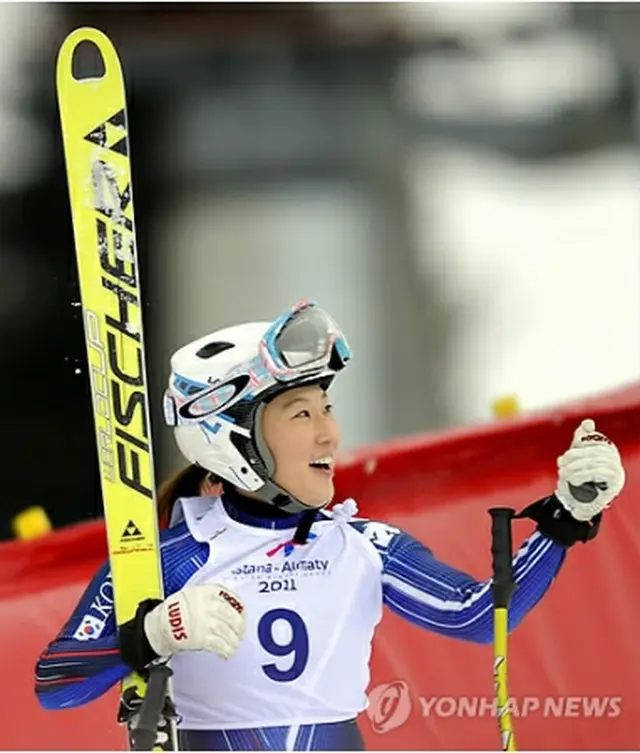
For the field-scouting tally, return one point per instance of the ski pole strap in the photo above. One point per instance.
(557, 523)
(145, 729)
(501, 550)
(135, 648)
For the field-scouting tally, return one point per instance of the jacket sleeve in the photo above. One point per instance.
(439, 598)
(83, 661)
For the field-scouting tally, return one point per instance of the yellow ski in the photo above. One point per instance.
(96, 146)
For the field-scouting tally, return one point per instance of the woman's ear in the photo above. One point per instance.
(210, 486)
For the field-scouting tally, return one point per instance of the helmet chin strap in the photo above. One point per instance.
(272, 493)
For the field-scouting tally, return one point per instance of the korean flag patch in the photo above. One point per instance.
(90, 628)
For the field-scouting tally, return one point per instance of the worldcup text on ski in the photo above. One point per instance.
(569, 707)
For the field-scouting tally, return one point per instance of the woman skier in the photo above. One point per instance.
(273, 600)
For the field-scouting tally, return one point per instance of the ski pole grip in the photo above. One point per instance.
(501, 550)
(145, 732)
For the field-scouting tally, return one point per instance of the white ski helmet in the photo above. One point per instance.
(221, 383)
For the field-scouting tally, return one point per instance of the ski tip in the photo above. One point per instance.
(64, 67)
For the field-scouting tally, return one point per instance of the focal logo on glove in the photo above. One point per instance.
(176, 622)
(389, 706)
(232, 601)
(596, 438)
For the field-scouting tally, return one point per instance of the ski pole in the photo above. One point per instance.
(145, 732)
(502, 588)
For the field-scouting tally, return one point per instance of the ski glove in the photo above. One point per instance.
(594, 460)
(590, 476)
(197, 618)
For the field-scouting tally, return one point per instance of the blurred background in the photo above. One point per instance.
(457, 183)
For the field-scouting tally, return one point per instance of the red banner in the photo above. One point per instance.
(573, 664)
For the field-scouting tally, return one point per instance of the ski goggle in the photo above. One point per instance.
(303, 342)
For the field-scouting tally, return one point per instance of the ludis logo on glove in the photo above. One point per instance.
(175, 621)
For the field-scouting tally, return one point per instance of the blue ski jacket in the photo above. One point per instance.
(418, 587)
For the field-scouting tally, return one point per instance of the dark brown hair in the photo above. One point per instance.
(185, 483)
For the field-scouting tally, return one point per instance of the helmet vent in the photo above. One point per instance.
(212, 349)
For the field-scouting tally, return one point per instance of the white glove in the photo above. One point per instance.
(198, 618)
(594, 460)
